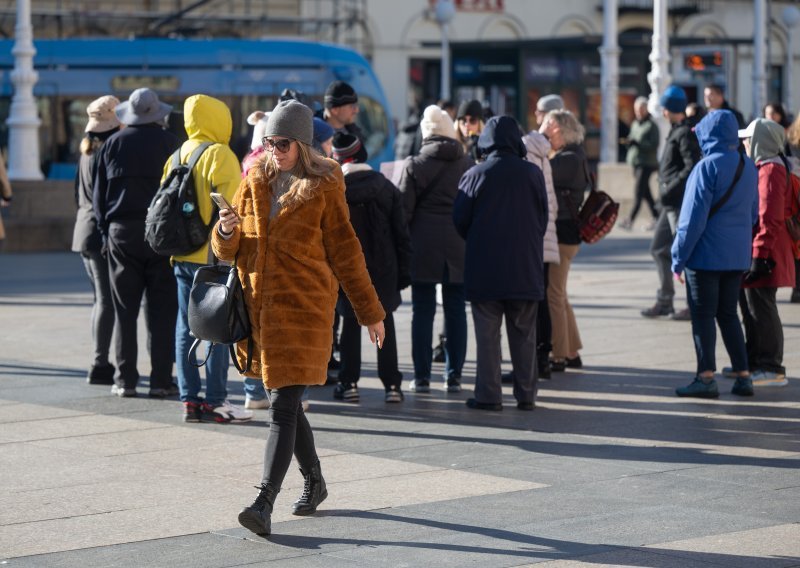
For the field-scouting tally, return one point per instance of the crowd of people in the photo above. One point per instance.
(488, 213)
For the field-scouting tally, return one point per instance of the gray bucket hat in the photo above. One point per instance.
(142, 107)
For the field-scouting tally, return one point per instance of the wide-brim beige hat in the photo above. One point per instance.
(101, 114)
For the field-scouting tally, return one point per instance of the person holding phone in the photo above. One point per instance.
(294, 245)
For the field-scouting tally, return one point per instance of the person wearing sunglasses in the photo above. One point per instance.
(469, 125)
(289, 233)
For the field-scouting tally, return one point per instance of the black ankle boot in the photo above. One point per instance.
(257, 517)
(314, 491)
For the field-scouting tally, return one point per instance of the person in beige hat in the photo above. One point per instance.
(86, 238)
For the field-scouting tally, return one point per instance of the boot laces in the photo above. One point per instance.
(263, 497)
(307, 488)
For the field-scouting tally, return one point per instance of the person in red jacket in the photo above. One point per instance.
(773, 259)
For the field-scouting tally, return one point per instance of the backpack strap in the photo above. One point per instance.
(718, 205)
(196, 153)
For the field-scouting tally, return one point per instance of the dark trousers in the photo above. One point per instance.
(661, 249)
(544, 326)
(763, 329)
(641, 186)
(712, 295)
(135, 271)
(521, 330)
(423, 302)
(102, 307)
(350, 353)
(289, 434)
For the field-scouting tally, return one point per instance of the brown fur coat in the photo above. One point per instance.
(291, 267)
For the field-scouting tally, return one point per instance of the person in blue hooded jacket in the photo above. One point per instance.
(501, 211)
(713, 247)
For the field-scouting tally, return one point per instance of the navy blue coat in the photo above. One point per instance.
(501, 211)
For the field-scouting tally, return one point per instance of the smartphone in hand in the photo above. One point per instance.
(222, 203)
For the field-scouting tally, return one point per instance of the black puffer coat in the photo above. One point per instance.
(680, 154)
(376, 213)
(429, 185)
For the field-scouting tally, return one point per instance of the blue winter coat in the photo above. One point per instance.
(501, 211)
(723, 242)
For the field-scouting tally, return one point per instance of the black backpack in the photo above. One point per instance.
(173, 225)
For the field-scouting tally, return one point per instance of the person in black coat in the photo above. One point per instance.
(129, 171)
(501, 210)
(429, 184)
(376, 212)
(86, 238)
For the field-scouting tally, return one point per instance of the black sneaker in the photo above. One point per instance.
(420, 385)
(657, 311)
(393, 394)
(472, 403)
(525, 405)
(171, 390)
(453, 384)
(558, 365)
(192, 412)
(123, 392)
(743, 386)
(348, 392)
(101, 375)
(573, 363)
(544, 371)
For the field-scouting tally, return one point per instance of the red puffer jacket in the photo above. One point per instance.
(771, 239)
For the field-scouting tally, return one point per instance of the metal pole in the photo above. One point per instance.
(759, 57)
(609, 84)
(659, 77)
(789, 75)
(23, 121)
(445, 96)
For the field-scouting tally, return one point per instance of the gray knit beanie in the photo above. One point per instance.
(291, 119)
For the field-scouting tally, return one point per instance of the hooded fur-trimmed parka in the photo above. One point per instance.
(291, 267)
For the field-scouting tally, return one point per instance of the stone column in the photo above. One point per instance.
(23, 121)
(659, 77)
(609, 84)
(791, 17)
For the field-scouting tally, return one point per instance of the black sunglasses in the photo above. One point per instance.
(281, 144)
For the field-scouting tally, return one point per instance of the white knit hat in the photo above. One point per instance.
(436, 121)
(259, 120)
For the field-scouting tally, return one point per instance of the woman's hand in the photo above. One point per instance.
(228, 221)
(679, 277)
(376, 333)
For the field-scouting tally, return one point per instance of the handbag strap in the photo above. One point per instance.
(718, 205)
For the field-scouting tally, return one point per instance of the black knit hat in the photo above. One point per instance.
(339, 94)
(470, 108)
(348, 148)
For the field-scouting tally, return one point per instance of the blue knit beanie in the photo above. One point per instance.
(674, 99)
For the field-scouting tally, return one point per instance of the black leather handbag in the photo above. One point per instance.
(217, 313)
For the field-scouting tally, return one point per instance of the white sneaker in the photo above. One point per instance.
(228, 412)
(769, 379)
(256, 403)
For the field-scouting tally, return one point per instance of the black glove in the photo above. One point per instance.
(759, 268)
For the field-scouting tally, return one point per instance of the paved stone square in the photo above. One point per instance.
(611, 469)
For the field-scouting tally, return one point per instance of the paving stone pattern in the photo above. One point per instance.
(611, 469)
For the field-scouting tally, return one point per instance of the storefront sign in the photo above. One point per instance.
(475, 5)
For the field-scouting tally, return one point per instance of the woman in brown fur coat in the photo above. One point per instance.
(293, 245)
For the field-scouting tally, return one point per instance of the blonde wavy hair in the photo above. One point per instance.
(572, 131)
(90, 144)
(793, 133)
(311, 168)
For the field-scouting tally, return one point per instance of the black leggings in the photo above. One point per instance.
(289, 433)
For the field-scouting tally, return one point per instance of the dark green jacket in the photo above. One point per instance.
(643, 144)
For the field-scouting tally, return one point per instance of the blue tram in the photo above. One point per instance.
(247, 74)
